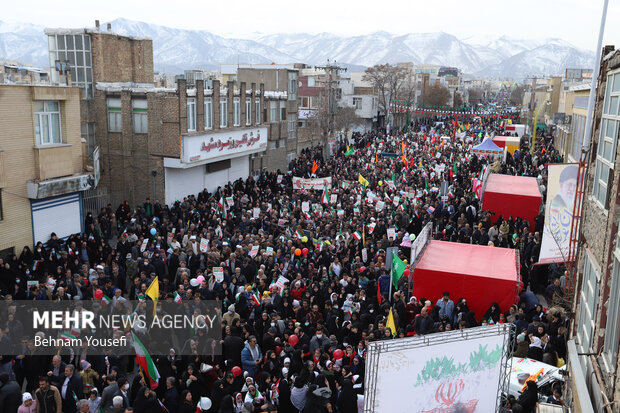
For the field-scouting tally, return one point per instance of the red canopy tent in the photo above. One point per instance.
(480, 274)
(512, 196)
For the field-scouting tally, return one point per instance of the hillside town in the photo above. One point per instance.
(299, 237)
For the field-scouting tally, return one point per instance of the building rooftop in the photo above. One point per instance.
(231, 68)
(131, 87)
(65, 31)
(576, 88)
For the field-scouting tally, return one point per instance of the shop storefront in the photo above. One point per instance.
(211, 160)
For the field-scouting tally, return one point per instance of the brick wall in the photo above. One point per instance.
(128, 158)
(599, 230)
(121, 59)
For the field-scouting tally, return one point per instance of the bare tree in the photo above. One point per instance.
(458, 100)
(516, 96)
(387, 80)
(346, 118)
(475, 95)
(436, 95)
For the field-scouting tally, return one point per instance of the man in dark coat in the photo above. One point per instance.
(171, 396)
(70, 389)
(10, 394)
(233, 345)
(109, 392)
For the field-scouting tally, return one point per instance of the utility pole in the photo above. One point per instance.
(332, 71)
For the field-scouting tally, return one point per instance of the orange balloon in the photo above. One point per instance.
(297, 252)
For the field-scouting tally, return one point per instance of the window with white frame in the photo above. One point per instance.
(292, 86)
(357, 103)
(47, 122)
(115, 118)
(273, 111)
(303, 101)
(311, 81)
(257, 110)
(292, 126)
(208, 113)
(236, 111)
(248, 111)
(588, 299)
(282, 110)
(140, 114)
(607, 142)
(191, 114)
(223, 112)
(612, 327)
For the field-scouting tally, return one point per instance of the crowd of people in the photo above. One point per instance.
(303, 287)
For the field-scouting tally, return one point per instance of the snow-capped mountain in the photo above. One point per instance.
(23, 42)
(178, 49)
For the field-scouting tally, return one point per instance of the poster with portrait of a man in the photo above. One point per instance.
(561, 190)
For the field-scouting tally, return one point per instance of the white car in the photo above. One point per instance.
(523, 366)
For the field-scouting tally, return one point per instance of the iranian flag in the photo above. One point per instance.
(298, 233)
(67, 336)
(177, 298)
(357, 236)
(255, 297)
(144, 360)
(105, 300)
(222, 204)
(325, 197)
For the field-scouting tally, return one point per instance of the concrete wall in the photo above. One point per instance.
(22, 161)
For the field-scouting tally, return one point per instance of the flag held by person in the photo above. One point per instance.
(153, 293)
(315, 167)
(363, 180)
(398, 268)
(390, 323)
(325, 197)
(144, 360)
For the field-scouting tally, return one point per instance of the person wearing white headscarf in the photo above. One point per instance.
(535, 351)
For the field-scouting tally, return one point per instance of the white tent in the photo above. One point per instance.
(487, 148)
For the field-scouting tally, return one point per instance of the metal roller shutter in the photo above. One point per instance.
(61, 214)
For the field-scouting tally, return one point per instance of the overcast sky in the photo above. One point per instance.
(576, 21)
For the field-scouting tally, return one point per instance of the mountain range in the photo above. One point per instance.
(178, 49)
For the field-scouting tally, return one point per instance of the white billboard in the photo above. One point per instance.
(222, 145)
(561, 190)
(461, 370)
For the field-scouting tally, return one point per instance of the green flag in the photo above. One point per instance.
(398, 267)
